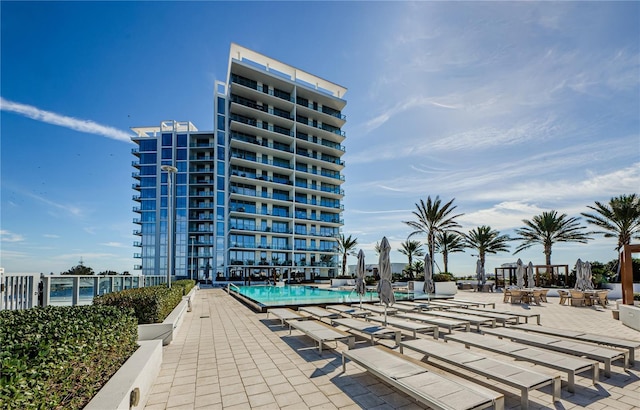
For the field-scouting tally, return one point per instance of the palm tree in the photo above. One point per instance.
(449, 242)
(619, 218)
(485, 240)
(549, 228)
(377, 248)
(346, 246)
(411, 249)
(433, 217)
(418, 266)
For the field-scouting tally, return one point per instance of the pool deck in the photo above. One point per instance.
(225, 356)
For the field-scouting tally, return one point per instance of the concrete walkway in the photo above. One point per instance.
(225, 356)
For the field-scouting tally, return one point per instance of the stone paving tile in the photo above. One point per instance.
(225, 356)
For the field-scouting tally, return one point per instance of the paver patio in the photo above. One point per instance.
(225, 356)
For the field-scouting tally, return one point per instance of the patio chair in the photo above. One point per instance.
(577, 298)
(537, 296)
(507, 295)
(543, 295)
(564, 296)
(602, 298)
(516, 297)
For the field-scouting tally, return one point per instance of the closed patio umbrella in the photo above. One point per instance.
(530, 279)
(587, 275)
(579, 275)
(385, 288)
(429, 287)
(361, 287)
(520, 274)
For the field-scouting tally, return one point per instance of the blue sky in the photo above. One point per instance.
(511, 108)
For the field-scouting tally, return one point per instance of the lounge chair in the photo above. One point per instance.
(602, 354)
(409, 325)
(557, 361)
(631, 345)
(285, 314)
(348, 310)
(369, 329)
(428, 388)
(474, 320)
(502, 318)
(318, 312)
(520, 313)
(577, 298)
(321, 332)
(503, 372)
(378, 309)
(448, 324)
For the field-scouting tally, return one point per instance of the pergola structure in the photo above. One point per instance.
(626, 272)
(545, 275)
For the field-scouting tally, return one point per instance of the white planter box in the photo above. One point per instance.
(630, 316)
(135, 377)
(170, 325)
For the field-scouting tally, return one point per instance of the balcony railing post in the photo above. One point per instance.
(75, 295)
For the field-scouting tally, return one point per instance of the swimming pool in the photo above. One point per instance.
(299, 295)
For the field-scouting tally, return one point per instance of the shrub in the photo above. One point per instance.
(443, 277)
(150, 304)
(185, 284)
(636, 296)
(59, 357)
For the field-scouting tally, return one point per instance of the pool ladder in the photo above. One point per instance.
(229, 285)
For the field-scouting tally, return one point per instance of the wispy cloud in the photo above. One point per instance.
(50, 235)
(115, 245)
(72, 209)
(75, 124)
(7, 236)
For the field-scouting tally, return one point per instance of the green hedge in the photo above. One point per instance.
(185, 284)
(60, 357)
(150, 304)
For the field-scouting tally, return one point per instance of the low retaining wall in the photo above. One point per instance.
(129, 388)
(165, 330)
(442, 288)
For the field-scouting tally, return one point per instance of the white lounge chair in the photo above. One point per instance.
(321, 332)
(285, 314)
(430, 389)
(558, 361)
(503, 372)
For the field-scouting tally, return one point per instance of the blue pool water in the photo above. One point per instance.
(270, 296)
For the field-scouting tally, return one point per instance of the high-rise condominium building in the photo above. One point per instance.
(261, 194)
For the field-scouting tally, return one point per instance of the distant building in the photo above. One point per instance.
(373, 269)
(261, 194)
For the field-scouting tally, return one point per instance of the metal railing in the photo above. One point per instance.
(24, 291)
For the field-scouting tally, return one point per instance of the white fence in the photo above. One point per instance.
(24, 291)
